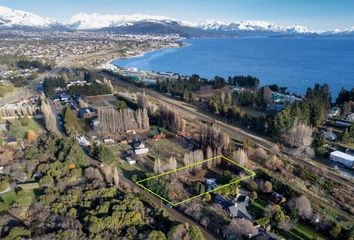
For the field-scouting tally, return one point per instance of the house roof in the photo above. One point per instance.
(222, 201)
(84, 110)
(11, 139)
(239, 210)
(343, 155)
(136, 143)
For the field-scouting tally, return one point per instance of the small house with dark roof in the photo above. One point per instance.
(11, 141)
(86, 113)
(137, 143)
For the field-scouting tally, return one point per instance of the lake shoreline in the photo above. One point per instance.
(293, 63)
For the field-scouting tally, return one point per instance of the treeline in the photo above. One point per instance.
(66, 150)
(244, 81)
(312, 111)
(170, 118)
(113, 121)
(26, 64)
(213, 137)
(92, 89)
(127, 79)
(345, 96)
(50, 84)
(227, 105)
(181, 87)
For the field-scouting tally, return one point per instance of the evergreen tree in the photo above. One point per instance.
(105, 155)
(71, 123)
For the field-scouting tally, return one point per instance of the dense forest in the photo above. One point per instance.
(26, 64)
(78, 201)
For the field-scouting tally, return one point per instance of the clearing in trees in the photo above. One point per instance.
(196, 180)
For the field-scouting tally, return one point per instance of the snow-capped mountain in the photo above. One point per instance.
(17, 18)
(251, 26)
(83, 21)
(147, 24)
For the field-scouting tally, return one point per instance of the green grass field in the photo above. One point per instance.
(302, 232)
(25, 200)
(20, 130)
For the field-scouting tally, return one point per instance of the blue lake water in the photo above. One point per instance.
(295, 63)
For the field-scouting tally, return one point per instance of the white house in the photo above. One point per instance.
(108, 140)
(95, 122)
(334, 112)
(130, 160)
(83, 141)
(343, 158)
(350, 117)
(141, 151)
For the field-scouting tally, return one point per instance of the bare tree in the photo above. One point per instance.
(274, 163)
(240, 156)
(108, 83)
(212, 136)
(268, 186)
(93, 174)
(239, 228)
(275, 148)
(260, 155)
(115, 176)
(171, 119)
(303, 205)
(172, 162)
(267, 95)
(194, 209)
(82, 103)
(188, 158)
(183, 126)
(197, 157)
(143, 101)
(300, 135)
(209, 155)
(50, 119)
(113, 121)
(157, 166)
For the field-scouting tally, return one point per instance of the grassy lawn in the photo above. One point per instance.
(20, 131)
(259, 206)
(5, 89)
(165, 148)
(302, 232)
(128, 169)
(252, 112)
(25, 200)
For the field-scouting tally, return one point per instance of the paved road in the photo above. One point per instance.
(171, 211)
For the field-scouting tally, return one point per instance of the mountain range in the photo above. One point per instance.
(146, 24)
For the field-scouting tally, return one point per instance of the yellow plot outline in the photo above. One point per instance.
(252, 174)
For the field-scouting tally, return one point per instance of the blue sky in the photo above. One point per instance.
(315, 14)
